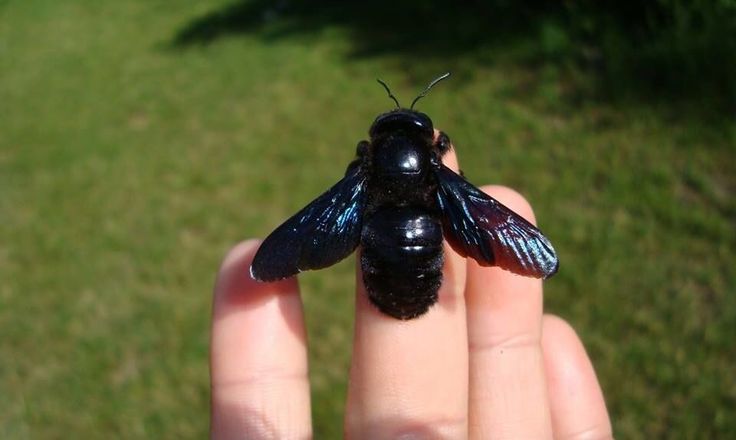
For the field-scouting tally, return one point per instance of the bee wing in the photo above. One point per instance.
(479, 226)
(321, 234)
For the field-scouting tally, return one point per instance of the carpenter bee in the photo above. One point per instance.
(397, 200)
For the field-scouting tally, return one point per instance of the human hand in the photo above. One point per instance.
(484, 362)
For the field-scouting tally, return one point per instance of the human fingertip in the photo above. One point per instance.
(235, 283)
(245, 250)
(512, 199)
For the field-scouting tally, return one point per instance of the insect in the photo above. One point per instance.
(397, 201)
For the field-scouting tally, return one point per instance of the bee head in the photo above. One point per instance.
(405, 119)
(402, 119)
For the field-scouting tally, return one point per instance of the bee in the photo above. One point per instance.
(398, 201)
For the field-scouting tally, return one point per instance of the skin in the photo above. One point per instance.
(493, 365)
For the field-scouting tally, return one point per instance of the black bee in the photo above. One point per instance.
(397, 200)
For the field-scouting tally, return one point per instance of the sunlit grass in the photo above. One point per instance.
(128, 167)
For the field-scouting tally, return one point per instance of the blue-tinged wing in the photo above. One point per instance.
(478, 226)
(323, 233)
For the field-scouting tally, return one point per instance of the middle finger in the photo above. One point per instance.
(411, 377)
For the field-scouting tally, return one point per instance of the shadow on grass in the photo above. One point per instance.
(673, 54)
(411, 28)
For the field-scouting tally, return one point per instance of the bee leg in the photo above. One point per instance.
(443, 143)
(361, 151)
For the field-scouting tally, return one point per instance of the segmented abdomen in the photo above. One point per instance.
(402, 260)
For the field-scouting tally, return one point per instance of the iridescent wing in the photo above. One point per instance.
(323, 233)
(478, 226)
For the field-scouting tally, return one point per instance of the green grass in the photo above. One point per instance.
(130, 164)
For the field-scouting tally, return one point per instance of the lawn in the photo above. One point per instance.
(140, 140)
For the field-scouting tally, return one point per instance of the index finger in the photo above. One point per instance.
(258, 358)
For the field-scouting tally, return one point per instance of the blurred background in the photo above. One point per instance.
(139, 140)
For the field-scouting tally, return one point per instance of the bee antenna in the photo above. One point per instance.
(429, 87)
(390, 95)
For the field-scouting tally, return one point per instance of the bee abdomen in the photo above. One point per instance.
(402, 260)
